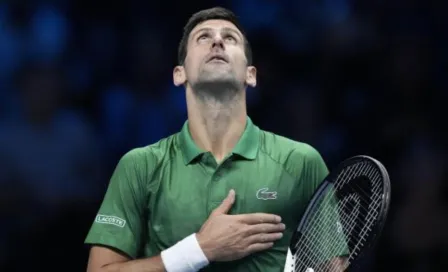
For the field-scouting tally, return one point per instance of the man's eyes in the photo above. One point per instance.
(226, 37)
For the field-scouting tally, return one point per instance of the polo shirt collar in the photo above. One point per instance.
(247, 146)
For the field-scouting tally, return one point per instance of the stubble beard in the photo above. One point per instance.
(223, 89)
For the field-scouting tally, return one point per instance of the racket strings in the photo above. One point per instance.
(318, 216)
(324, 248)
(349, 220)
(356, 209)
(371, 216)
(361, 233)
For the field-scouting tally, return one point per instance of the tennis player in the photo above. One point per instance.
(221, 194)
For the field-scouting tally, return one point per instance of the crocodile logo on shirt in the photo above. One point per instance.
(264, 194)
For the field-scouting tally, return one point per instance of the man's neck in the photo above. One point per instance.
(214, 125)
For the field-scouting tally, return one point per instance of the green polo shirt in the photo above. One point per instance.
(161, 193)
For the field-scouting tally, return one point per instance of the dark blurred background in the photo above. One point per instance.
(82, 82)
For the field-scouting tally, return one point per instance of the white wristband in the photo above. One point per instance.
(184, 256)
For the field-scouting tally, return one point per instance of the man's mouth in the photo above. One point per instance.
(217, 58)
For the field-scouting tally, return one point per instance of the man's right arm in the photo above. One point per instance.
(115, 235)
(103, 259)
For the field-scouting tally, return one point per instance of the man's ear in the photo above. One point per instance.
(251, 76)
(179, 77)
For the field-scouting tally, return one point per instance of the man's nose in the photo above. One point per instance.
(218, 42)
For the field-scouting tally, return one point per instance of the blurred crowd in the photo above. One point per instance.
(82, 82)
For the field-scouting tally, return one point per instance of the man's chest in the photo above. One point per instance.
(185, 199)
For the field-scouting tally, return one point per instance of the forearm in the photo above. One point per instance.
(153, 264)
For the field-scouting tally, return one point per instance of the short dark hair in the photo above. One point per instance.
(216, 13)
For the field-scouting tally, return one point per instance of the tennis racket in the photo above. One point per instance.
(343, 219)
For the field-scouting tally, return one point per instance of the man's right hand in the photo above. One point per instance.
(226, 237)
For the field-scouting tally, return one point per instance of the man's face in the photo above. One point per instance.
(216, 57)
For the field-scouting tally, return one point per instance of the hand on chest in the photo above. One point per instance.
(184, 201)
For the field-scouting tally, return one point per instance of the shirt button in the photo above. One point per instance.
(216, 177)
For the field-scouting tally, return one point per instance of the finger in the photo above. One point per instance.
(259, 247)
(265, 237)
(226, 204)
(259, 218)
(265, 228)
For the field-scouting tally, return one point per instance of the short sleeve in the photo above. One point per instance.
(315, 170)
(119, 221)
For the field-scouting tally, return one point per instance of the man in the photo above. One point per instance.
(220, 195)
